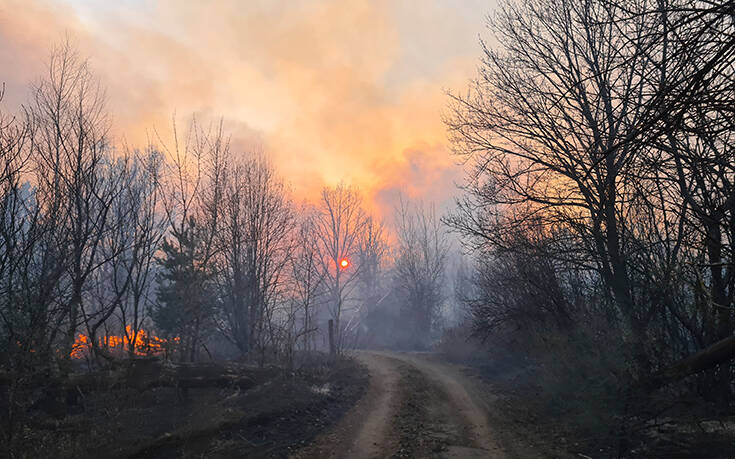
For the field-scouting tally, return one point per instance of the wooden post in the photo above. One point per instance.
(332, 350)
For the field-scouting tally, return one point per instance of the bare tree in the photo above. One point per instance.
(600, 197)
(123, 283)
(305, 289)
(371, 258)
(254, 247)
(31, 265)
(75, 185)
(420, 262)
(26, 301)
(372, 286)
(307, 277)
(109, 284)
(146, 229)
(688, 134)
(545, 126)
(339, 227)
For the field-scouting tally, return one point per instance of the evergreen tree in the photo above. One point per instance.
(185, 303)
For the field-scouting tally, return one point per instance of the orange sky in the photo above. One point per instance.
(331, 90)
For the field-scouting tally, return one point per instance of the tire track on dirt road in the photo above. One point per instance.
(415, 406)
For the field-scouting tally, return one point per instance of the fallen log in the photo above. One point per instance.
(720, 352)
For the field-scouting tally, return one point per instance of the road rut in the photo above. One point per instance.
(415, 406)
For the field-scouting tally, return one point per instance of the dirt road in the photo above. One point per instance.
(415, 406)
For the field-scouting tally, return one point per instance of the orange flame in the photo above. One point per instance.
(145, 343)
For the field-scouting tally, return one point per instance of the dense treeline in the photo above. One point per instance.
(601, 204)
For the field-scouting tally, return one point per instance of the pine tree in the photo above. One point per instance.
(185, 305)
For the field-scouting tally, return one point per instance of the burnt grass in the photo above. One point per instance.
(662, 427)
(283, 411)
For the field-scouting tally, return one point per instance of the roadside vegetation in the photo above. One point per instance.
(599, 209)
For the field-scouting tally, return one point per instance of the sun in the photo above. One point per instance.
(344, 263)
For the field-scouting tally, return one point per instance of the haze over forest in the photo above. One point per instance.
(332, 91)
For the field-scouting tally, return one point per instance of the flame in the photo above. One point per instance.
(145, 343)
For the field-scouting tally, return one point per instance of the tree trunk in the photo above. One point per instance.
(332, 347)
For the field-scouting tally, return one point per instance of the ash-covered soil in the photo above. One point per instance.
(281, 412)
